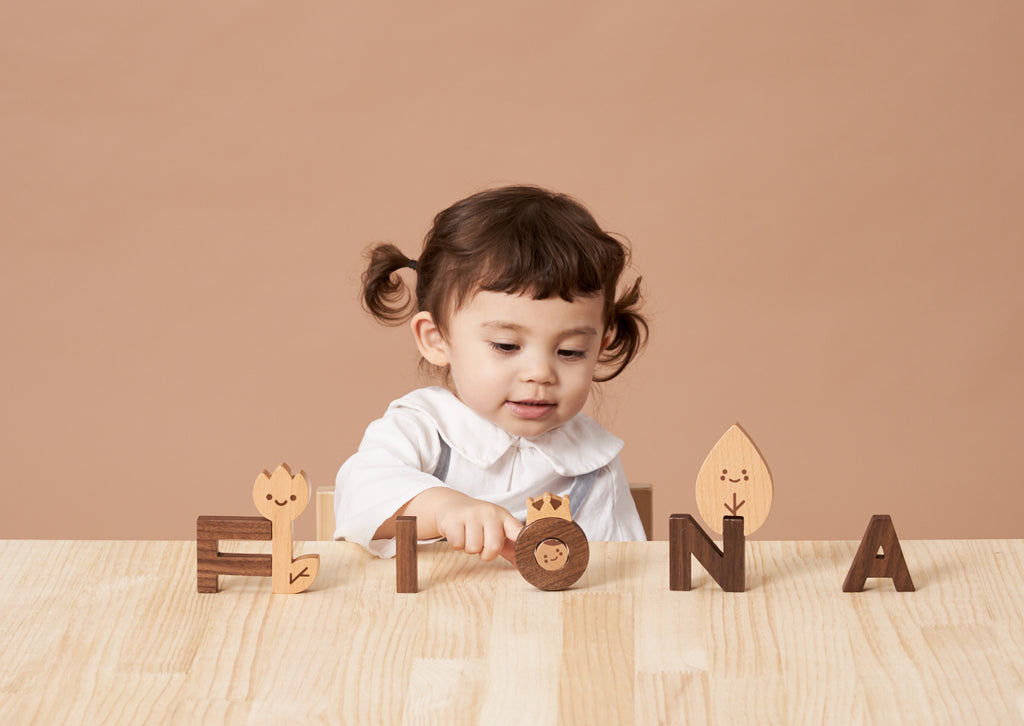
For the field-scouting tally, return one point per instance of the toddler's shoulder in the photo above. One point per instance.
(416, 414)
(433, 402)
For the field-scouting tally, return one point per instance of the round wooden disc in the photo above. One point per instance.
(570, 534)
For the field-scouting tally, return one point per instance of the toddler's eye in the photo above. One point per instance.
(573, 354)
(505, 347)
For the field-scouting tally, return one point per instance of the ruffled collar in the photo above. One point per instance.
(578, 446)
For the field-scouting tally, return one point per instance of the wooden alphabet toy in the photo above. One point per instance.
(552, 551)
(406, 575)
(727, 565)
(734, 481)
(211, 562)
(734, 487)
(879, 555)
(280, 498)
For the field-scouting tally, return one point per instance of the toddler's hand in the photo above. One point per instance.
(477, 527)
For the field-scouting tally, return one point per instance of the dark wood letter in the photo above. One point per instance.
(869, 563)
(727, 566)
(406, 579)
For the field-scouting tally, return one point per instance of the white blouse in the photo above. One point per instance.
(429, 438)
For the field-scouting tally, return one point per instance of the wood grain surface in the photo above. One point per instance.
(115, 633)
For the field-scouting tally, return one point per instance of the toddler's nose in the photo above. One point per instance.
(539, 369)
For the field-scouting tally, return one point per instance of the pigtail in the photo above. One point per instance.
(386, 296)
(630, 334)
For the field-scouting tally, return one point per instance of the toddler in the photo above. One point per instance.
(517, 308)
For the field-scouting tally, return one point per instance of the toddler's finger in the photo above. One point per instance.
(494, 540)
(455, 534)
(512, 528)
(509, 551)
(474, 539)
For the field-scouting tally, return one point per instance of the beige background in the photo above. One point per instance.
(825, 203)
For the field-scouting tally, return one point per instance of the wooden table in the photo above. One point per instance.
(115, 633)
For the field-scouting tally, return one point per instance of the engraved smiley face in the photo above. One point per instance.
(280, 497)
(734, 481)
(552, 554)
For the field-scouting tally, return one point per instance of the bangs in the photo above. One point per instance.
(541, 276)
(519, 241)
(545, 257)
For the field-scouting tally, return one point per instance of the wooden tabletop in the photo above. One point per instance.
(115, 633)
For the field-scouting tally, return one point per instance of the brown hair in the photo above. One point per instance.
(517, 240)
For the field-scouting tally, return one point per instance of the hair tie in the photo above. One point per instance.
(412, 264)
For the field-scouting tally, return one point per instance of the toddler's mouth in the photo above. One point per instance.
(531, 409)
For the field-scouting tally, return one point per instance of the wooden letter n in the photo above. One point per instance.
(869, 562)
(726, 565)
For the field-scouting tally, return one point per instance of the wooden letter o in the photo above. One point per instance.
(568, 533)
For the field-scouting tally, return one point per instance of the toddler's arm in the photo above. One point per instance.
(388, 477)
(468, 524)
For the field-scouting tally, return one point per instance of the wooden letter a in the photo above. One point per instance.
(870, 563)
(726, 566)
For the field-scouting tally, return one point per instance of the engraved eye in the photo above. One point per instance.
(293, 497)
(269, 497)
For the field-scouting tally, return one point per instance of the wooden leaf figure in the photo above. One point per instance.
(734, 481)
(281, 498)
(552, 551)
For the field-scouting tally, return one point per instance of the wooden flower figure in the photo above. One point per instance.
(281, 497)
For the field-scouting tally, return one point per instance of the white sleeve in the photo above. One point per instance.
(608, 514)
(392, 466)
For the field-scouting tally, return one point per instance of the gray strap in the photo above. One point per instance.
(579, 490)
(441, 471)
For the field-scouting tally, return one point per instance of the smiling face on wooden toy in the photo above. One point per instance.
(551, 554)
(552, 551)
(734, 481)
(280, 497)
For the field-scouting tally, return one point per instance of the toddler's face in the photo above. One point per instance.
(524, 364)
